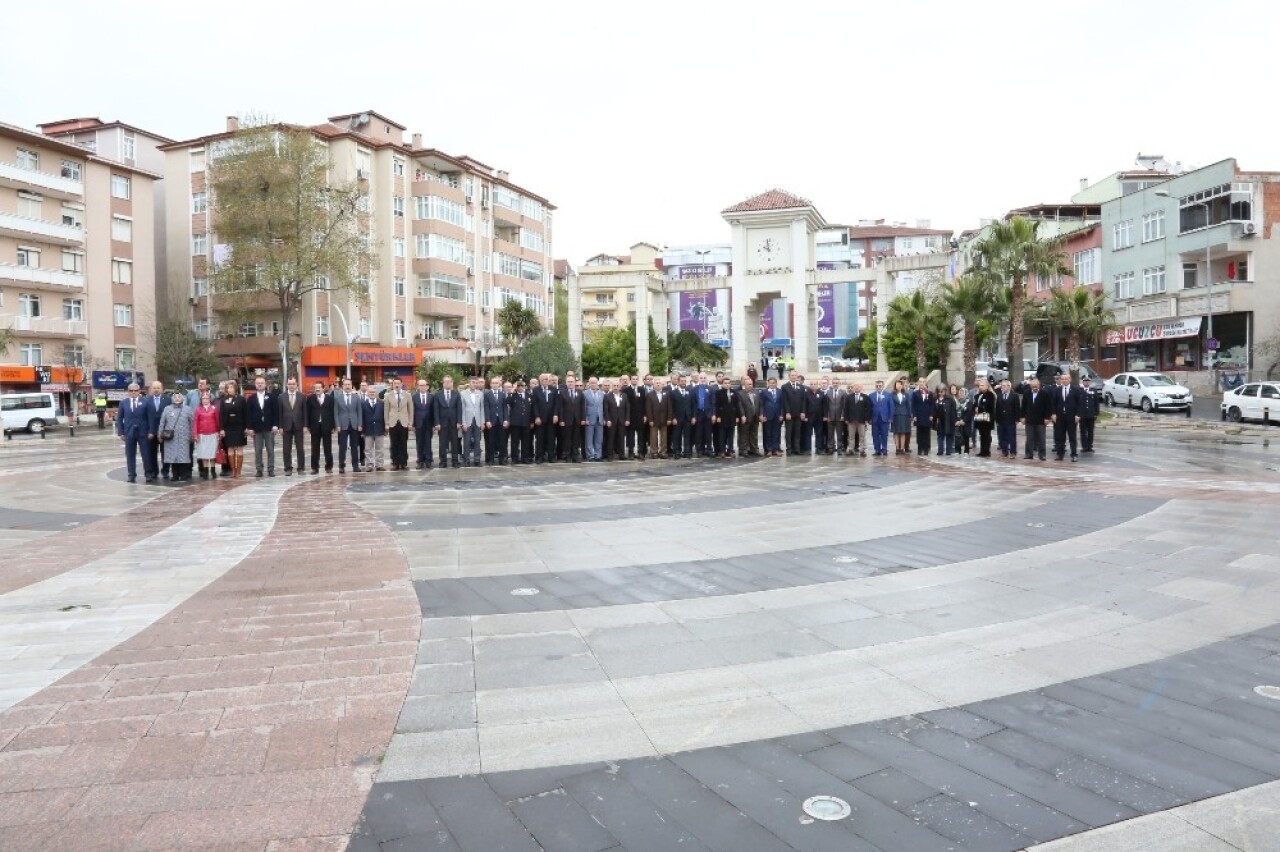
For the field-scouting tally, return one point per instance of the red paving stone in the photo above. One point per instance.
(251, 717)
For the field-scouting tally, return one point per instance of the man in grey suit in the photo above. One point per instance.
(593, 408)
(473, 423)
(748, 419)
(347, 419)
(837, 433)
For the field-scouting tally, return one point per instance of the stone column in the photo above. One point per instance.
(641, 290)
(575, 315)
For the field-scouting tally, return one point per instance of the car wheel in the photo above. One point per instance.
(1234, 414)
(1146, 404)
(1111, 401)
(35, 427)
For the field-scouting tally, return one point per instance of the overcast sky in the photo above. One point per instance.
(642, 121)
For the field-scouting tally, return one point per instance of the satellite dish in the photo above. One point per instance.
(363, 119)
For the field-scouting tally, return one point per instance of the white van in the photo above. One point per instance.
(34, 411)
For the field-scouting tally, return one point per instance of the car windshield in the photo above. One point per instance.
(1154, 381)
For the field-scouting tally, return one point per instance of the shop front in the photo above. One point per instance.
(14, 379)
(115, 383)
(372, 364)
(1172, 344)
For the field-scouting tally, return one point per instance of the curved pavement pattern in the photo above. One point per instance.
(973, 654)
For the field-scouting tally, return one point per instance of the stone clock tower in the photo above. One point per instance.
(773, 238)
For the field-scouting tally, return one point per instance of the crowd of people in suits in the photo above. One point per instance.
(552, 420)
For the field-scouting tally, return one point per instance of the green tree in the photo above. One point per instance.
(560, 298)
(6, 339)
(969, 299)
(509, 368)
(179, 351)
(854, 347)
(1082, 313)
(687, 347)
(547, 354)
(1013, 252)
(289, 229)
(517, 324)
(940, 334)
(909, 316)
(899, 348)
(611, 353)
(434, 372)
(659, 357)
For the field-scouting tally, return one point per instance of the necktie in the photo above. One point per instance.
(135, 403)
(446, 397)
(397, 399)
(157, 403)
(1064, 394)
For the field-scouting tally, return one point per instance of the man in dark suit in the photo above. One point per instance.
(837, 434)
(373, 425)
(793, 411)
(747, 411)
(545, 419)
(423, 419)
(771, 414)
(1090, 402)
(1008, 416)
(320, 422)
(446, 415)
(704, 412)
(1065, 416)
(856, 413)
(1037, 408)
(131, 426)
(922, 416)
(292, 420)
(682, 411)
(154, 406)
(260, 423)
(617, 419)
(813, 437)
(495, 412)
(724, 417)
(348, 422)
(517, 424)
(570, 413)
(636, 432)
(882, 405)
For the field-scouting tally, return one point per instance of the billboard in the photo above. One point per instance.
(826, 307)
(705, 312)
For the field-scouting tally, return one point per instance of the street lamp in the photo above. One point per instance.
(1208, 271)
(702, 262)
(346, 332)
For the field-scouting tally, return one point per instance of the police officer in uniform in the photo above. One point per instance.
(1090, 402)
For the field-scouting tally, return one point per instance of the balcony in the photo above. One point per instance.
(24, 326)
(13, 175)
(434, 306)
(246, 301)
(610, 305)
(41, 279)
(12, 225)
(265, 345)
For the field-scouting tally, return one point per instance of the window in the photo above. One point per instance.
(435, 207)
(1189, 275)
(530, 271)
(30, 355)
(530, 239)
(199, 244)
(363, 327)
(1153, 226)
(1122, 234)
(199, 202)
(397, 247)
(507, 198)
(196, 161)
(399, 285)
(907, 243)
(121, 271)
(121, 229)
(73, 356)
(28, 256)
(199, 287)
(437, 245)
(442, 287)
(1087, 266)
(471, 296)
(124, 316)
(273, 328)
(397, 166)
(28, 159)
(72, 214)
(72, 261)
(29, 205)
(28, 305)
(508, 265)
(631, 296)
(70, 170)
(322, 326)
(484, 298)
(120, 186)
(397, 205)
(73, 310)
(201, 328)
(398, 328)
(1124, 285)
(1241, 271)
(125, 359)
(531, 208)
(1153, 280)
(249, 329)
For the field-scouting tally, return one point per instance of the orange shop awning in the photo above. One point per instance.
(17, 374)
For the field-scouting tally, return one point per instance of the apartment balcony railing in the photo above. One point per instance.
(50, 232)
(41, 279)
(13, 175)
(25, 326)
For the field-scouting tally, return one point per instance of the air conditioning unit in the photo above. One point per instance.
(192, 301)
(470, 195)
(362, 174)
(484, 310)
(1248, 229)
(471, 270)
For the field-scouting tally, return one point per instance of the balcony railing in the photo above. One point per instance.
(52, 232)
(13, 174)
(24, 326)
(44, 279)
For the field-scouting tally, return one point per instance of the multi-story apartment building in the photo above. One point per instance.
(454, 239)
(77, 270)
(862, 245)
(608, 292)
(1192, 267)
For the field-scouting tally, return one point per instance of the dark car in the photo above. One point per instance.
(1048, 371)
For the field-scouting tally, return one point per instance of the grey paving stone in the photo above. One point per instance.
(509, 672)
(627, 815)
(437, 712)
(522, 783)
(961, 722)
(475, 817)
(893, 788)
(558, 822)
(967, 825)
(808, 742)
(844, 762)
(443, 678)
(400, 809)
(444, 651)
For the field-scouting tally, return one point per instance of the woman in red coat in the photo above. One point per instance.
(206, 431)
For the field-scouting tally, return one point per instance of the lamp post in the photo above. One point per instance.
(346, 332)
(1211, 358)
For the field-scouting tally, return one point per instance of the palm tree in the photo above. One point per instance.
(909, 315)
(971, 299)
(1013, 252)
(1082, 313)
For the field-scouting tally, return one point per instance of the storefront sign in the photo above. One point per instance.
(384, 356)
(1162, 330)
(698, 271)
(17, 375)
(826, 303)
(56, 387)
(44, 375)
(116, 380)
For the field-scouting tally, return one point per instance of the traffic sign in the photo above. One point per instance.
(1211, 344)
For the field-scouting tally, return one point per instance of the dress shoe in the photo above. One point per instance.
(133, 479)
(258, 475)
(1075, 458)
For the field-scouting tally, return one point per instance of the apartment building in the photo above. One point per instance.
(77, 270)
(607, 283)
(454, 239)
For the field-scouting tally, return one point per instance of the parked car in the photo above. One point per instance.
(1148, 391)
(998, 369)
(825, 363)
(1048, 371)
(34, 411)
(1254, 401)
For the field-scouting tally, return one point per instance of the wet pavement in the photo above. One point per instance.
(970, 653)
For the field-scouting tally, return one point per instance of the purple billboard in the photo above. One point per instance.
(705, 312)
(826, 303)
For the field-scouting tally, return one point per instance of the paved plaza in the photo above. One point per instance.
(969, 653)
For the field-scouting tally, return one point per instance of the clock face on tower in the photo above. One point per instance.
(769, 249)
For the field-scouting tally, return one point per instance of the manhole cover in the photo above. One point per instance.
(1268, 691)
(524, 592)
(845, 559)
(827, 807)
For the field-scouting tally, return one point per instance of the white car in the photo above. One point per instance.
(1148, 391)
(1254, 401)
(825, 363)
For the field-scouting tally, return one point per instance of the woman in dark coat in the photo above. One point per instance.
(984, 416)
(901, 426)
(231, 419)
(944, 420)
(964, 420)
